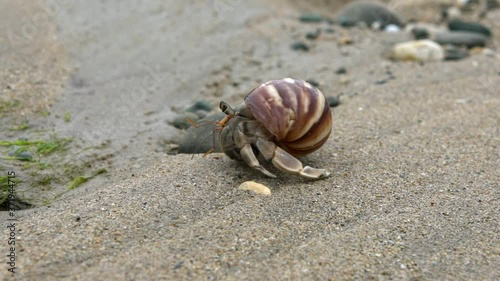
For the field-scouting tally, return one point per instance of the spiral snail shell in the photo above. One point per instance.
(279, 119)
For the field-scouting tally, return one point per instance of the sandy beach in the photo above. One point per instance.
(414, 159)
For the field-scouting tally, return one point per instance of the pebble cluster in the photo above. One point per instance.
(452, 38)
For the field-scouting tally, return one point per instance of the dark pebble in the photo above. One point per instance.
(461, 38)
(19, 154)
(200, 105)
(420, 33)
(201, 140)
(24, 156)
(453, 53)
(299, 46)
(313, 35)
(310, 17)
(457, 24)
(368, 13)
(313, 82)
(333, 101)
(341, 70)
(329, 30)
(201, 113)
(389, 77)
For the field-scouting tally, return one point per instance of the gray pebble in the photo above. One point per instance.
(382, 81)
(200, 105)
(180, 122)
(313, 35)
(457, 24)
(17, 152)
(24, 156)
(313, 82)
(420, 33)
(332, 101)
(310, 17)
(201, 113)
(368, 13)
(300, 46)
(461, 38)
(454, 53)
(341, 70)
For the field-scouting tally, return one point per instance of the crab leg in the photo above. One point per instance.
(247, 154)
(287, 163)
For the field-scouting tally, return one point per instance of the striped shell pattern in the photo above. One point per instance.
(294, 111)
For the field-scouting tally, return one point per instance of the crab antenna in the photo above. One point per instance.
(192, 123)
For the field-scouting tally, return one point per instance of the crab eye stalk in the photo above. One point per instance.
(226, 108)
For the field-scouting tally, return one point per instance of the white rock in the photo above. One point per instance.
(419, 50)
(392, 28)
(255, 187)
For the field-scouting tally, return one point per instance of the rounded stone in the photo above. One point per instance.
(200, 105)
(332, 101)
(313, 35)
(341, 70)
(310, 17)
(454, 53)
(460, 25)
(420, 33)
(201, 139)
(419, 50)
(24, 156)
(180, 122)
(461, 38)
(299, 46)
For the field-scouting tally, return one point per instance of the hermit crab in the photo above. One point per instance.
(280, 120)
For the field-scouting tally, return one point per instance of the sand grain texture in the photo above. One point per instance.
(413, 193)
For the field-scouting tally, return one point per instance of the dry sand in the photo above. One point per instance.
(413, 193)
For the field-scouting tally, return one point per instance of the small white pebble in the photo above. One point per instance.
(255, 187)
(392, 28)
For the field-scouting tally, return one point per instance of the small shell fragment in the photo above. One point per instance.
(255, 187)
(420, 50)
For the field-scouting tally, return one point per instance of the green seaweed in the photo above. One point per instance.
(8, 106)
(79, 180)
(5, 181)
(47, 147)
(21, 127)
(18, 142)
(76, 182)
(22, 150)
(4, 188)
(67, 117)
